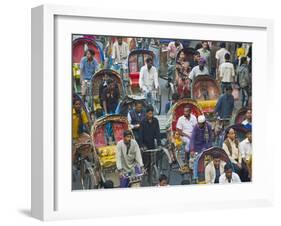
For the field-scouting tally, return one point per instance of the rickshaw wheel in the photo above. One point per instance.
(158, 103)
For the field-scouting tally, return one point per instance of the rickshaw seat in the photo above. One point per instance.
(107, 155)
(135, 79)
(207, 106)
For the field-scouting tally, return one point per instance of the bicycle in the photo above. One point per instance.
(88, 94)
(154, 98)
(134, 179)
(122, 68)
(219, 128)
(156, 164)
(85, 169)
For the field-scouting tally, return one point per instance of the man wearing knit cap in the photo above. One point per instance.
(201, 137)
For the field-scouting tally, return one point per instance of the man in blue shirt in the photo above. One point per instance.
(225, 104)
(88, 67)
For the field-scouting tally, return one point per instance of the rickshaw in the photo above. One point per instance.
(105, 144)
(136, 60)
(240, 133)
(239, 129)
(240, 115)
(173, 115)
(203, 159)
(128, 103)
(206, 91)
(81, 45)
(96, 80)
(189, 54)
(79, 48)
(182, 85)
(85, 173)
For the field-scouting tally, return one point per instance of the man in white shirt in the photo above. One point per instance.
(200, 69)
(245, 147)
(214, 169)
(148, 79)
(226, 73)
(229, 177)
(120, 51)
(185, 125)
(221, 53)
(247, 123)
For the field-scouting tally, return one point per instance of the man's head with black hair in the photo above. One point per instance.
(196, 56)
(90, 53)
(149, 112)
(149, 62)
(228, 171)
(227, 57)
(175, 97)
(138, 106)
(228, 90)
(223, 45)
(127, 136)
(216, 159)
(243, 60)
(163, 180)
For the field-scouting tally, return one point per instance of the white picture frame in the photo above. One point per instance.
(52, 197)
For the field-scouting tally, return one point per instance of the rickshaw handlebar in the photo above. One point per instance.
(153, 150)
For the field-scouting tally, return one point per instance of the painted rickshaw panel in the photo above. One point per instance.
(240, 115)
(107, 151)
(79, 46)
(239, 129)
(206, 91)
(177, 110)
(205, 157)
(96, 81)
(136, 60)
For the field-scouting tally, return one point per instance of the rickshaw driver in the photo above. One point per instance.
(128, 159)
(110, 97)
(88, 67)
(148, 80)
(185, 125)
(149, 133)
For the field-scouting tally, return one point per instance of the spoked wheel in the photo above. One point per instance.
(171, 91)
(153, 175)
(157, 103)
(164, 164)
(87, 182)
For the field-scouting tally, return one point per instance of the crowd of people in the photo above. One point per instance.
(227, 63)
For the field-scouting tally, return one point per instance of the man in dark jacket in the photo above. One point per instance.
(135, 116)
(149, 135)
(149, 130)
(225, 105)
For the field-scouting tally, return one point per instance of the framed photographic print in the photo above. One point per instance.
(143, 112)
